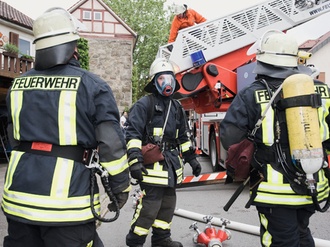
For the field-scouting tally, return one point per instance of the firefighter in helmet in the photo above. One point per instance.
(277, 183)
(158, 119)
(58, 113)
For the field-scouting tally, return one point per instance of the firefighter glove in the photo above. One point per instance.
(121, 199)
(136, 171)
(196, 167)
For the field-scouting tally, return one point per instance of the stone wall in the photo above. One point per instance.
(111, 59)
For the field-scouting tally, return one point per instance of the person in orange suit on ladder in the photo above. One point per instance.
(183, 18)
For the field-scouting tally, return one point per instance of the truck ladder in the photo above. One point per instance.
(220, 36)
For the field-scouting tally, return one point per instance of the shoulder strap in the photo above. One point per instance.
(150, 113)
(263, 115)
(151, 109)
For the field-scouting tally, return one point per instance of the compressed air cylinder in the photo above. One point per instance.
(303, 125)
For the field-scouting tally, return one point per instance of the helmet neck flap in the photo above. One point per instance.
(56, 55)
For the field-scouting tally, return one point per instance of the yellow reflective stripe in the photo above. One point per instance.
(323, 112)
(67, 118)
(275, 188)
(323, 194)
(280, 187)
(274, 191)
(179, 172)
(158, 166)
(274, 176)
(47, 201)
(322, 186)
(116, 166)
(16, 102)
(266, 238)
(161, 224)
(49, 215)
(128, 189)
(15, 156)
(132, 162)
(322, 177)
(267, 125)
(138, 208)
(185, 146)
(177, 134)
(134, 143)
(158, 131)
(155, 180)
(283, 199)
(140, 231)
(61, 179)
(154, 173)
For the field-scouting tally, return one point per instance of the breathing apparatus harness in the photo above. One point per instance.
(96, 168)
(295, 174)
(163, 142)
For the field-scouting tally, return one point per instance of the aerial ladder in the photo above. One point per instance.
(207, 55)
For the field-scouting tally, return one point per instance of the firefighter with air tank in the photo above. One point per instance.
(289, 178)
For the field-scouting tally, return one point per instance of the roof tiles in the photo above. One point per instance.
(10, 14)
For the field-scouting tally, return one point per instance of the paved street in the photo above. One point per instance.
(198, 201)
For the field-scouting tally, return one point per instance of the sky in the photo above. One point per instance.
(210, 9)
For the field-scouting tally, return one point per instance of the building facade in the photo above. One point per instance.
(111, 44)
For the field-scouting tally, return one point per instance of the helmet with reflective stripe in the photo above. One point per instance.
(276, 48)
(54, 27)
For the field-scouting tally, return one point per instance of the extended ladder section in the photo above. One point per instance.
(203, 42)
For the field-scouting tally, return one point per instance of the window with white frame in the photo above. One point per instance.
(97, 16)
(87, 15)
(24, 47)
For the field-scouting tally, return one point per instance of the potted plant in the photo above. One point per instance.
(11, 50)
(26, 57)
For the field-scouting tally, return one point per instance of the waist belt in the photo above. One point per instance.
(168, 146)
(76, 153)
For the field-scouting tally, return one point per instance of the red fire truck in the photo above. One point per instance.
(212, 63)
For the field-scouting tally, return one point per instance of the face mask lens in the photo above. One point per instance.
(165, 84)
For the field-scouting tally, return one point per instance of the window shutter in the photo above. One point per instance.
(14, 38)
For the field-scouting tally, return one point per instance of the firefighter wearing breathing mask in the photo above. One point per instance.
(285, 192)
(159, 119)
(58, 113)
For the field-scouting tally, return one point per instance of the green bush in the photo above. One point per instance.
(83, 51)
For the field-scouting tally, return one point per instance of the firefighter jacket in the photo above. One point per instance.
(190, 18)
(64, 108)
(168, 172)
(277, 187)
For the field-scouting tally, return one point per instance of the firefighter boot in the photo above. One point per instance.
(167, 242)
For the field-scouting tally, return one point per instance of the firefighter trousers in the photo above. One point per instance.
(25, 235)
(284, 226)
(155, 209)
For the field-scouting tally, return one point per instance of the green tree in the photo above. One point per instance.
(151, 21)
(83, 49)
